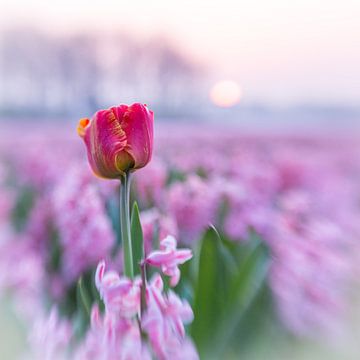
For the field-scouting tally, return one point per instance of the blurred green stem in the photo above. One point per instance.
(143, 287)
(125, 225)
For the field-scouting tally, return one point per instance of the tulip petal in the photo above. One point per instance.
(138, 126)
(105, 139)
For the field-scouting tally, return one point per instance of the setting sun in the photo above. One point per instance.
(225, 93)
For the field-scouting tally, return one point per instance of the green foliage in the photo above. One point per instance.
(201, 172)
(211, 288)
(137, 239)
(86, 295)
(83, 309)
(175, 175)
(230, 276)
(55, 251)
(83, 297)
(78, 302)
(22, 208)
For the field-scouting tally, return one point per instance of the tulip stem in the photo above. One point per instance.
(125, 225)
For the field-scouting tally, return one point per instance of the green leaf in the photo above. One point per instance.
(186, 284)
(230, 276)
(55, 251)
(175, 175)
(245, 287)
(94, 292)
(252, 272)
(211, 289)
(83, 298)
(23, 205)
(137, 239)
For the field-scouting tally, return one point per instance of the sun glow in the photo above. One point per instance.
(225, 93)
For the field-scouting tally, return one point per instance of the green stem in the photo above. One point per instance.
(143, 287)
(125, 225)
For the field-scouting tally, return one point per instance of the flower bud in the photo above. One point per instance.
(118, 139)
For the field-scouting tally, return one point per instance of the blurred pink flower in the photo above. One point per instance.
(117, 332)
(50, 336)
(111, 337)
(309, 275)
(85, 232)
(169, 258)
(193, 204)
(157, 225)
(22, 272)
(150, 182)
(120, 294)
(164, 322)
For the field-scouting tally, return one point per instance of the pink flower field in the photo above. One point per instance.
(239, 242)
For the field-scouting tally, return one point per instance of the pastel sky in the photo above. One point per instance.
(281, 52)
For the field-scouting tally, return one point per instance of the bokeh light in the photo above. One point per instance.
(226, 93)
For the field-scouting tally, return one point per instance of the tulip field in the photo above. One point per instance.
(215, 244)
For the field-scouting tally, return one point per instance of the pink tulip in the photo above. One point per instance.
(118, 139)
(168, 258)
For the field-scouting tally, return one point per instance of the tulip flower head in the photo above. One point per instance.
(118, 140)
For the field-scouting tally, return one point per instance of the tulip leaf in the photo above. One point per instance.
(252, 272)
(245, 286)
(230, 276)
(137, 239)
(211, 289)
